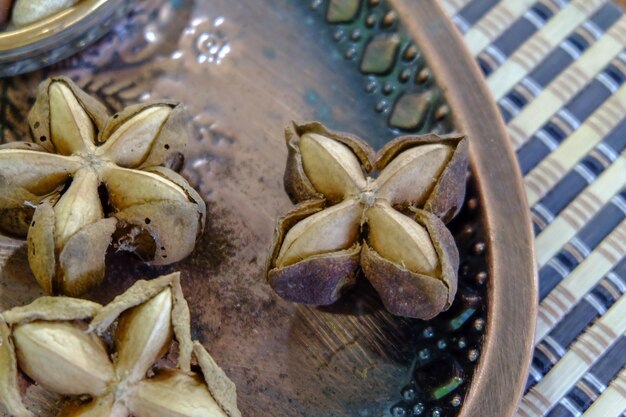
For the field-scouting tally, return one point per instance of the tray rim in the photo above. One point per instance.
(495, 389)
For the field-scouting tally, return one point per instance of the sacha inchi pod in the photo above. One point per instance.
(391, 226)
(88, 180)
(59, 342)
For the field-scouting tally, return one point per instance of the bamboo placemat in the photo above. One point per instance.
(557, 69)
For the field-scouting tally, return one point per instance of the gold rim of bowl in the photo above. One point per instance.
(49, 26)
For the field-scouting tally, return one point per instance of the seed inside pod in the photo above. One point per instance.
(331, 166)
(62, 357)
(143, 334)
(71, 128)
(400, 239)
(173, 394)
(79, 206)
(411, 176)
(129, 187)
(332, 229)
(37, 172)
(131, 141)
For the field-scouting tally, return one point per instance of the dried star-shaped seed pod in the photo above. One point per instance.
(88, 178)
(392, 226)
(50, 342)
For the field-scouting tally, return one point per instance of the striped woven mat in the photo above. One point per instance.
(557, 68)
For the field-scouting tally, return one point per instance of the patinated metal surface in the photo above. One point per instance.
(245, 70)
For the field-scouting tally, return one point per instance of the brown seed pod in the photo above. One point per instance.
(89, 178)
(346, 219)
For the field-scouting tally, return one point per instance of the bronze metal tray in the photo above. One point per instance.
(373, 67)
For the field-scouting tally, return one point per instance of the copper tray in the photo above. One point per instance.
(376, 68)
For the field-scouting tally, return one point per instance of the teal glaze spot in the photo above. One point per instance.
(311, 97)
(446, 389)
(322, 111)
(459, 320)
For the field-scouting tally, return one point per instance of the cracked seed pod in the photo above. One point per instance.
(90, 180)
(391, 225)
(50, 342)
